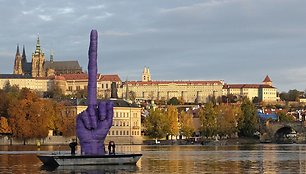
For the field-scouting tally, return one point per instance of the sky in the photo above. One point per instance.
(238, 41)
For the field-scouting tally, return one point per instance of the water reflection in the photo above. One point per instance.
(262, 158)
(94, 169)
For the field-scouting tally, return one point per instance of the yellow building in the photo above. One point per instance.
(264, 92)
(126, 127)
(36, 84)
(188, 91)
(76, 82)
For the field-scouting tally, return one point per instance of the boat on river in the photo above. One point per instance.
(73, 160)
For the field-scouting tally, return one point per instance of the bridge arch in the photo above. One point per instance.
(285, 134)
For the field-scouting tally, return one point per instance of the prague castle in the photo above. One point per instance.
(196, 91)
(41, 75)
(39, 67)
(188, 91)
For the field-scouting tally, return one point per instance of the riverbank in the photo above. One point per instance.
(207, 142)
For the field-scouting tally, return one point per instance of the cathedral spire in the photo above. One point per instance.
(24, 57)
(37, 51)
(17, 63)
(17, 52)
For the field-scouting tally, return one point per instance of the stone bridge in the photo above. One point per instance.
(283, 132)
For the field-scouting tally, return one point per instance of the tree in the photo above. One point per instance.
(186, 124)
(283, 117)
(66, 122)
(227, 119)
(293, 95)
(255, 100)
(4, 127)
(30, 116)
(55, 92)
(208, 120)
(172, 121)
(173, 101)
(132, 96)
(248, 122)
(155, 124)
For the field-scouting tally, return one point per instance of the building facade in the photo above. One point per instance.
(126, 128)
(264, 92)
(188, 91)
(76, 82)
(36, 84)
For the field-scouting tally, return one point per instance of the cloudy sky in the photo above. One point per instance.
(238, 41)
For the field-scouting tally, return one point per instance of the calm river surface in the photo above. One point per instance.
(261, 158)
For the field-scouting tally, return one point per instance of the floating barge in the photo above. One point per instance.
(73, 160)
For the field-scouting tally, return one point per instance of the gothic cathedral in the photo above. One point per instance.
(39, 67)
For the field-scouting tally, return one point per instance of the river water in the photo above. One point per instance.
(260, 158)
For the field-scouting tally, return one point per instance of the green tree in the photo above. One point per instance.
(186, 124)
(172, 121)
(155, 124)
(293, 95)
(55, 93)
(284, 117)
(173, 101)
(248, 122)
(208, 120)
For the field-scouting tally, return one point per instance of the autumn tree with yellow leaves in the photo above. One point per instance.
(186, 124)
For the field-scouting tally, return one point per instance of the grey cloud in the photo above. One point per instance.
(235, 40)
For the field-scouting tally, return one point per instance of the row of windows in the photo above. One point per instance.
(106, 85)
(122, 114)
(120, 123)
(271, 93)
(123, 132)
(78, 88)
(124, 123)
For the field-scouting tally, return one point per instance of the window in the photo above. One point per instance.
(70, 88)
(102, 85)
(106, 86)
(116, 132)
(78, 88)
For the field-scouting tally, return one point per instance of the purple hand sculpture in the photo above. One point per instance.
(94, 123)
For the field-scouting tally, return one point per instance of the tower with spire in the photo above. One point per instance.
(146, 76)
(38, 59)
(267, 81)
(18, 62)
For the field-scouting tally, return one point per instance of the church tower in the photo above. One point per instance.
(18, 62)
(267, 81)
(146, 76)
(38, 59)
(24, 57)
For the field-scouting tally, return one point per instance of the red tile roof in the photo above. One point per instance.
(112, 78)
(267, 79)
(228, 86)
(175, 82)
(82, 76)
